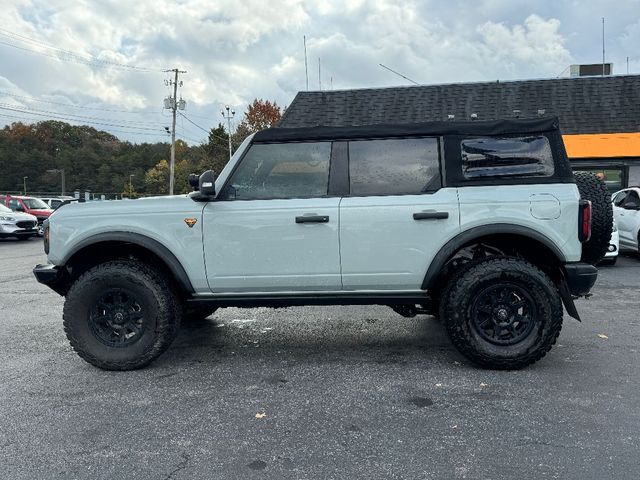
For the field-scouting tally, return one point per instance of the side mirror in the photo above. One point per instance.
(206, 190)
(207, 184)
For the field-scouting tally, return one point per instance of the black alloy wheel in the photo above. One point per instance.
(117, 318)
(503, 314)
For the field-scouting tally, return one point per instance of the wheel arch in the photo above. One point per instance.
(492, 234)
(110, 245)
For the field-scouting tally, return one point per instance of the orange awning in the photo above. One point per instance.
(602, 145)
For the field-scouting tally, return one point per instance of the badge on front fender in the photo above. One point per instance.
(190, 221)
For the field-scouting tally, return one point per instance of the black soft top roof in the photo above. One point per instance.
(493, 127)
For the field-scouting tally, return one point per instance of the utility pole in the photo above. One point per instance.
(130, 185)
(174, 105)
(229, 115)
(24, 181)
(603, 46)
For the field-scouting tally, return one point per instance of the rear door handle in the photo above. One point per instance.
(430, 215)
(312, 219)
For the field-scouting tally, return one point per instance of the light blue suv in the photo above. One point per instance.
(480, 223)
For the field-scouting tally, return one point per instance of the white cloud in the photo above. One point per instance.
(237, 51)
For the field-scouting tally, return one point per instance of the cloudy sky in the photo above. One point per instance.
(101, 62)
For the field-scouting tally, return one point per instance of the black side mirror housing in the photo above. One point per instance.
(206, 191)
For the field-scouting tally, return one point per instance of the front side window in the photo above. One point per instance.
(500, 157)
(394, 166)
(281, 170)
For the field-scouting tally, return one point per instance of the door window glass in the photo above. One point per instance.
(632, 201)
(500, 157)
(281, 170)
(619, 198)
(15, 205)
(394, 166)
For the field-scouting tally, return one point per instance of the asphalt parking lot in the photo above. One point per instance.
(332, 393)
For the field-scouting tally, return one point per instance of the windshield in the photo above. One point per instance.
(35, 204)
(4, 209)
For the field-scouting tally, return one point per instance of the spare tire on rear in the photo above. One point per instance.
(595, 190)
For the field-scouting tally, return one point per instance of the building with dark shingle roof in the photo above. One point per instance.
(599, 116)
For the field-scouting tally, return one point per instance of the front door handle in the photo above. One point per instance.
(430, 215)
(312, 219)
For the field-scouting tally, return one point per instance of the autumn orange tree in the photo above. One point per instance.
(260, 114)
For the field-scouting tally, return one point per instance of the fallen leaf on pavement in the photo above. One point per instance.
(260, 415)
(602, 335)
(438, 385)
(484, 385)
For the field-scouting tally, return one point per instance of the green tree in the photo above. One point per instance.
(156, 180)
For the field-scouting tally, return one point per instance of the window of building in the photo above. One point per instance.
(614, 178)
(281, 170)
(394, 166)
(528, 156)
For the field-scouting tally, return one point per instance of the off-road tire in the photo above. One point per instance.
(196, 314)
(469, 283)
(160, 306)
(595, 190)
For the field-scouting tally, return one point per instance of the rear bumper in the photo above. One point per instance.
(53, 277)
(580, 278)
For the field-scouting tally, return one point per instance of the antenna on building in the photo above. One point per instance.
(306, 70)
(399, 74)
(603, 46)
(319, 76)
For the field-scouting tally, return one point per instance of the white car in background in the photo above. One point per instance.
(17, 224)
(614, 247)
(626, 214)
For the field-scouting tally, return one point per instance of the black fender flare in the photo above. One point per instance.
(154, 246)
(468, 236)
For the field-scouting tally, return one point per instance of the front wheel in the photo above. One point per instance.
(121, 315)
(502, 313)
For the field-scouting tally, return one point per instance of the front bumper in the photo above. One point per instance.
(54, 277)
(580, 278)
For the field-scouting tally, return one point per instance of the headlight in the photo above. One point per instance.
(7, 219)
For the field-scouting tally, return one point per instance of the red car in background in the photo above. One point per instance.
(31, 205)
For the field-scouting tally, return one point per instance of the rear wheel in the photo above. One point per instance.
(121, 315)
(502, 313)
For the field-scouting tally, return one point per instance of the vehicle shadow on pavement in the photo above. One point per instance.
(382, 338)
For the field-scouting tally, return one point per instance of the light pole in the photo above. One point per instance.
(61, 171)
(24, 181)
(229, 115)
(130, 186)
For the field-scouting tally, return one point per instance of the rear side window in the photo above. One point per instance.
(394, 166)
(499, 157)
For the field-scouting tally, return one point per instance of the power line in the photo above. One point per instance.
(61, 117)
(163, 135)
(83, 107)
(77, 117)
(208, 132)
(69, 56)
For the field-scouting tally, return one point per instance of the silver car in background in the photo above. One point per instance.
(17, 224)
